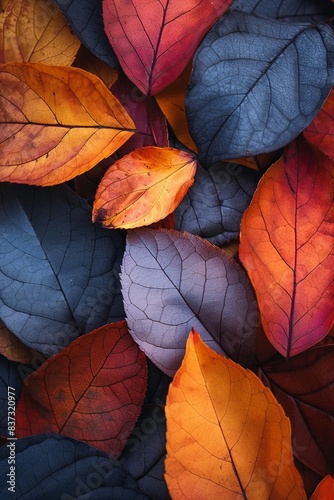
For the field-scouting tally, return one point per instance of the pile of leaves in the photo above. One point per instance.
(166, 240)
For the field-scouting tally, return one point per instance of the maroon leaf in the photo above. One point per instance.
(92, 391)
(304, 385)
(150, 122)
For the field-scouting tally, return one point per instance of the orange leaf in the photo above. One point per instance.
(143, 187)
(171, 102)
(227, 437)
(12, 348)
(286, 245)
(324, 490)
(56, 123)
(321, 131)
(36, 31)
(92, 391)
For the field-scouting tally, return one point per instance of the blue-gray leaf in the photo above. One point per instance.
(287, 10)
(59, 273)
(85, 19)
(214, 204)
(55, 467)
(256, 84)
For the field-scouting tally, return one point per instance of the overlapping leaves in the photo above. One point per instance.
(260, 76)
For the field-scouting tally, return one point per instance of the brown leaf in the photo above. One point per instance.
(12, 348)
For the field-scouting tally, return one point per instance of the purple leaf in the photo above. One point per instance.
(172, 282)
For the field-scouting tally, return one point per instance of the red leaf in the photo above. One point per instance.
(304, 385)
(92, 391)
(321, 131)
(154, 40)
(325, 489)
(286, 245)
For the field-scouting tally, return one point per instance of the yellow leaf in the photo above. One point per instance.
(36, 31)
(143, 187)
(227, 437)
(56, 123)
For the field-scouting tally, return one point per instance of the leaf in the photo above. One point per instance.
(171, 101)
(36, 31)
(287, 10)
(145, 450)
(98, 405)
(214, 204)
(87, 61)
(143, 187)
(304, 386)
(154, 40)
(286, 245)
(321, 131)
(59, 273)
(53, 466)
(256, 84)
(227, 437)
(150, 122)
(12, 348)
(324, 490)
(172, 282)
(85, 19)
(58, 123)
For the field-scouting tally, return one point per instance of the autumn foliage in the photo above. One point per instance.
(167, 249)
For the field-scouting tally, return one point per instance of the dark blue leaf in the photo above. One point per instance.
(10, 380)
(53, 467)
(256, 84)
(85, 19)
(213, 206)
(287, 10)
(144, 453)
(59, 272)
